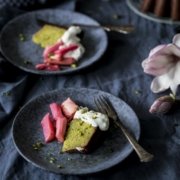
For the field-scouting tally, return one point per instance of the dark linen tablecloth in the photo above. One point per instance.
(118, 72)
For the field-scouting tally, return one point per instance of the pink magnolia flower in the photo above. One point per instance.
(162, 105)
(164, 63)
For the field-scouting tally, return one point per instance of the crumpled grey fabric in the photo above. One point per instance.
(118, 72)
(34, 4)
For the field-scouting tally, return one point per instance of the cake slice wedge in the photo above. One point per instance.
(85, 130)
(48, 35)
(78, 136)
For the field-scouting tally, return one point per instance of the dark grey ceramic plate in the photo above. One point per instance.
(135, 6)
(27, 130)
(19, 52)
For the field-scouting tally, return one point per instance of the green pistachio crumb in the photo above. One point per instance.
(94, 116)
(73, 65)
(52, 158)
(116, 16)
(27, 62)
(84, 110)
(137, 92)
(50, 154)
(37, 145)
(21, 37)
(50, 54)
(59, 166)
(51, 161)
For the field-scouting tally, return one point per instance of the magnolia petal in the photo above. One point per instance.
(160, 84)
(158, 67)
(176, 78)
(150, 64)
(176, 40)
(172, 50)
(164, 63)
(152, 52)
(144, 62)
(154, 71)
(173, 88)
(162, 104)
(161, 61)
(169, 80)
(176, 71)
(156, 49)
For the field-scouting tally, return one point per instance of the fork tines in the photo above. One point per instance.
(104, 105)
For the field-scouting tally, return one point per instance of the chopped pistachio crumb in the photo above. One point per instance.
(52, 158)
(21, 37)
(73, 65)
(50, 154)
(59, 166)
(50, 55)
(137, 92)
(27, 62)
(38, 145)
(84, 110)
(116, 16)
(51, 161)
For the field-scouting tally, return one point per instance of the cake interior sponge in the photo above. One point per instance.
(48, 35)
(78, 136)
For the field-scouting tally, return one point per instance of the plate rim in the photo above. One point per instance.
(69, 89)
(61, 72)
(150, 16)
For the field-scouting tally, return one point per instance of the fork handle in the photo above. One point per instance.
(143, 155)
(124, 29)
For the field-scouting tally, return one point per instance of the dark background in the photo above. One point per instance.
(118, 72)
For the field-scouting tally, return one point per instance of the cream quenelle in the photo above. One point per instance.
(70, 37)
(96, 119)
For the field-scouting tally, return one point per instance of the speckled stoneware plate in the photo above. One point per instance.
(135, 6)
(25, 54)
(112, 150)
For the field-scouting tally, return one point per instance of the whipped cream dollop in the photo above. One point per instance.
(70, 37)
(96, 119)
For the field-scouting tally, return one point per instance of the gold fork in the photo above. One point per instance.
(104, 106)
